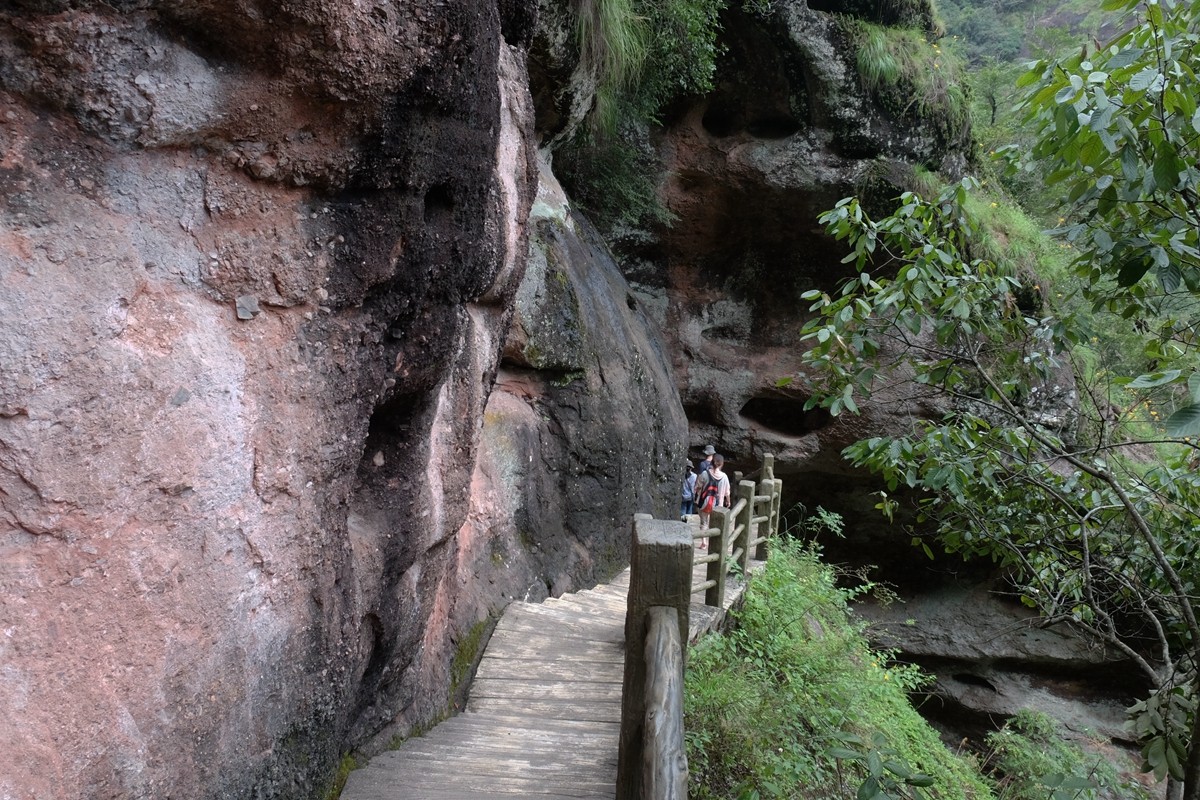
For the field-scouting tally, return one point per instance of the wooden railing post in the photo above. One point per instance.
(664, 766)
(660, 575)
(775, 505)
(745, 491)
(718, 544)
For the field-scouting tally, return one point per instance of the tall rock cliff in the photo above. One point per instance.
(256, 265)
(259, 261)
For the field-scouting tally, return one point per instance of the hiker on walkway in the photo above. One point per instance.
(706, 464)
(712, 490)
(689, 490)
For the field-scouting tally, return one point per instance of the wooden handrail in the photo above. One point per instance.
(741, 533)
(652, 762)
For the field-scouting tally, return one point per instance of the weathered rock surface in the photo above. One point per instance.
(256, 267)
(787, 131)
(563, 84)
(991, 658)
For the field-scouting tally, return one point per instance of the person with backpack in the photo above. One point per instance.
(706, 464)
(712, 490)
(689, 491)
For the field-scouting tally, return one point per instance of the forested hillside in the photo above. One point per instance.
(1003, 31)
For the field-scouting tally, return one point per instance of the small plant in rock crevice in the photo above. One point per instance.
(645, 54)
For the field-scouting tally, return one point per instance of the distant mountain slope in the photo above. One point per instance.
(1011, 30)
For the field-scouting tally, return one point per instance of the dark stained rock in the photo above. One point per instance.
(563, 85)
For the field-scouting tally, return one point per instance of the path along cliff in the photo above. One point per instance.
(308, 367)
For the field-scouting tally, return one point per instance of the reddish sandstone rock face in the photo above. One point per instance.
(785, 133)
(256, 263)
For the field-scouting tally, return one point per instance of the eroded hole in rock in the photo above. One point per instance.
(439, 203)
(387, 433)
(719, 122)
(974, 680)
(773, 127)
(701, 413)
(828, 6)
(884, 12)
(785, 415)
(373, 630)
(726, 333)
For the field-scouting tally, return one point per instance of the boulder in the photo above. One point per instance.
(989, 657)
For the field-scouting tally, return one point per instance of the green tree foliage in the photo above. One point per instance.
(1089, 534)
(1120, 136)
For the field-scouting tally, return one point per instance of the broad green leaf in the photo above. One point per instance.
(1132, 271)
(1144, 79)
(1166, 171)
(1185, 421)
(1125, 57)
(1169, 277)
(1065, 95)
(1152, 379)
(845, 754)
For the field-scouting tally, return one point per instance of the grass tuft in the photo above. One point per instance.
(910, 74)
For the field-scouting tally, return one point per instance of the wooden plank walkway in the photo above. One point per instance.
(543, 718)
(544, 714)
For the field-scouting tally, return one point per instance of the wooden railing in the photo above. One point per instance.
(652, 762)
(738, 534)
